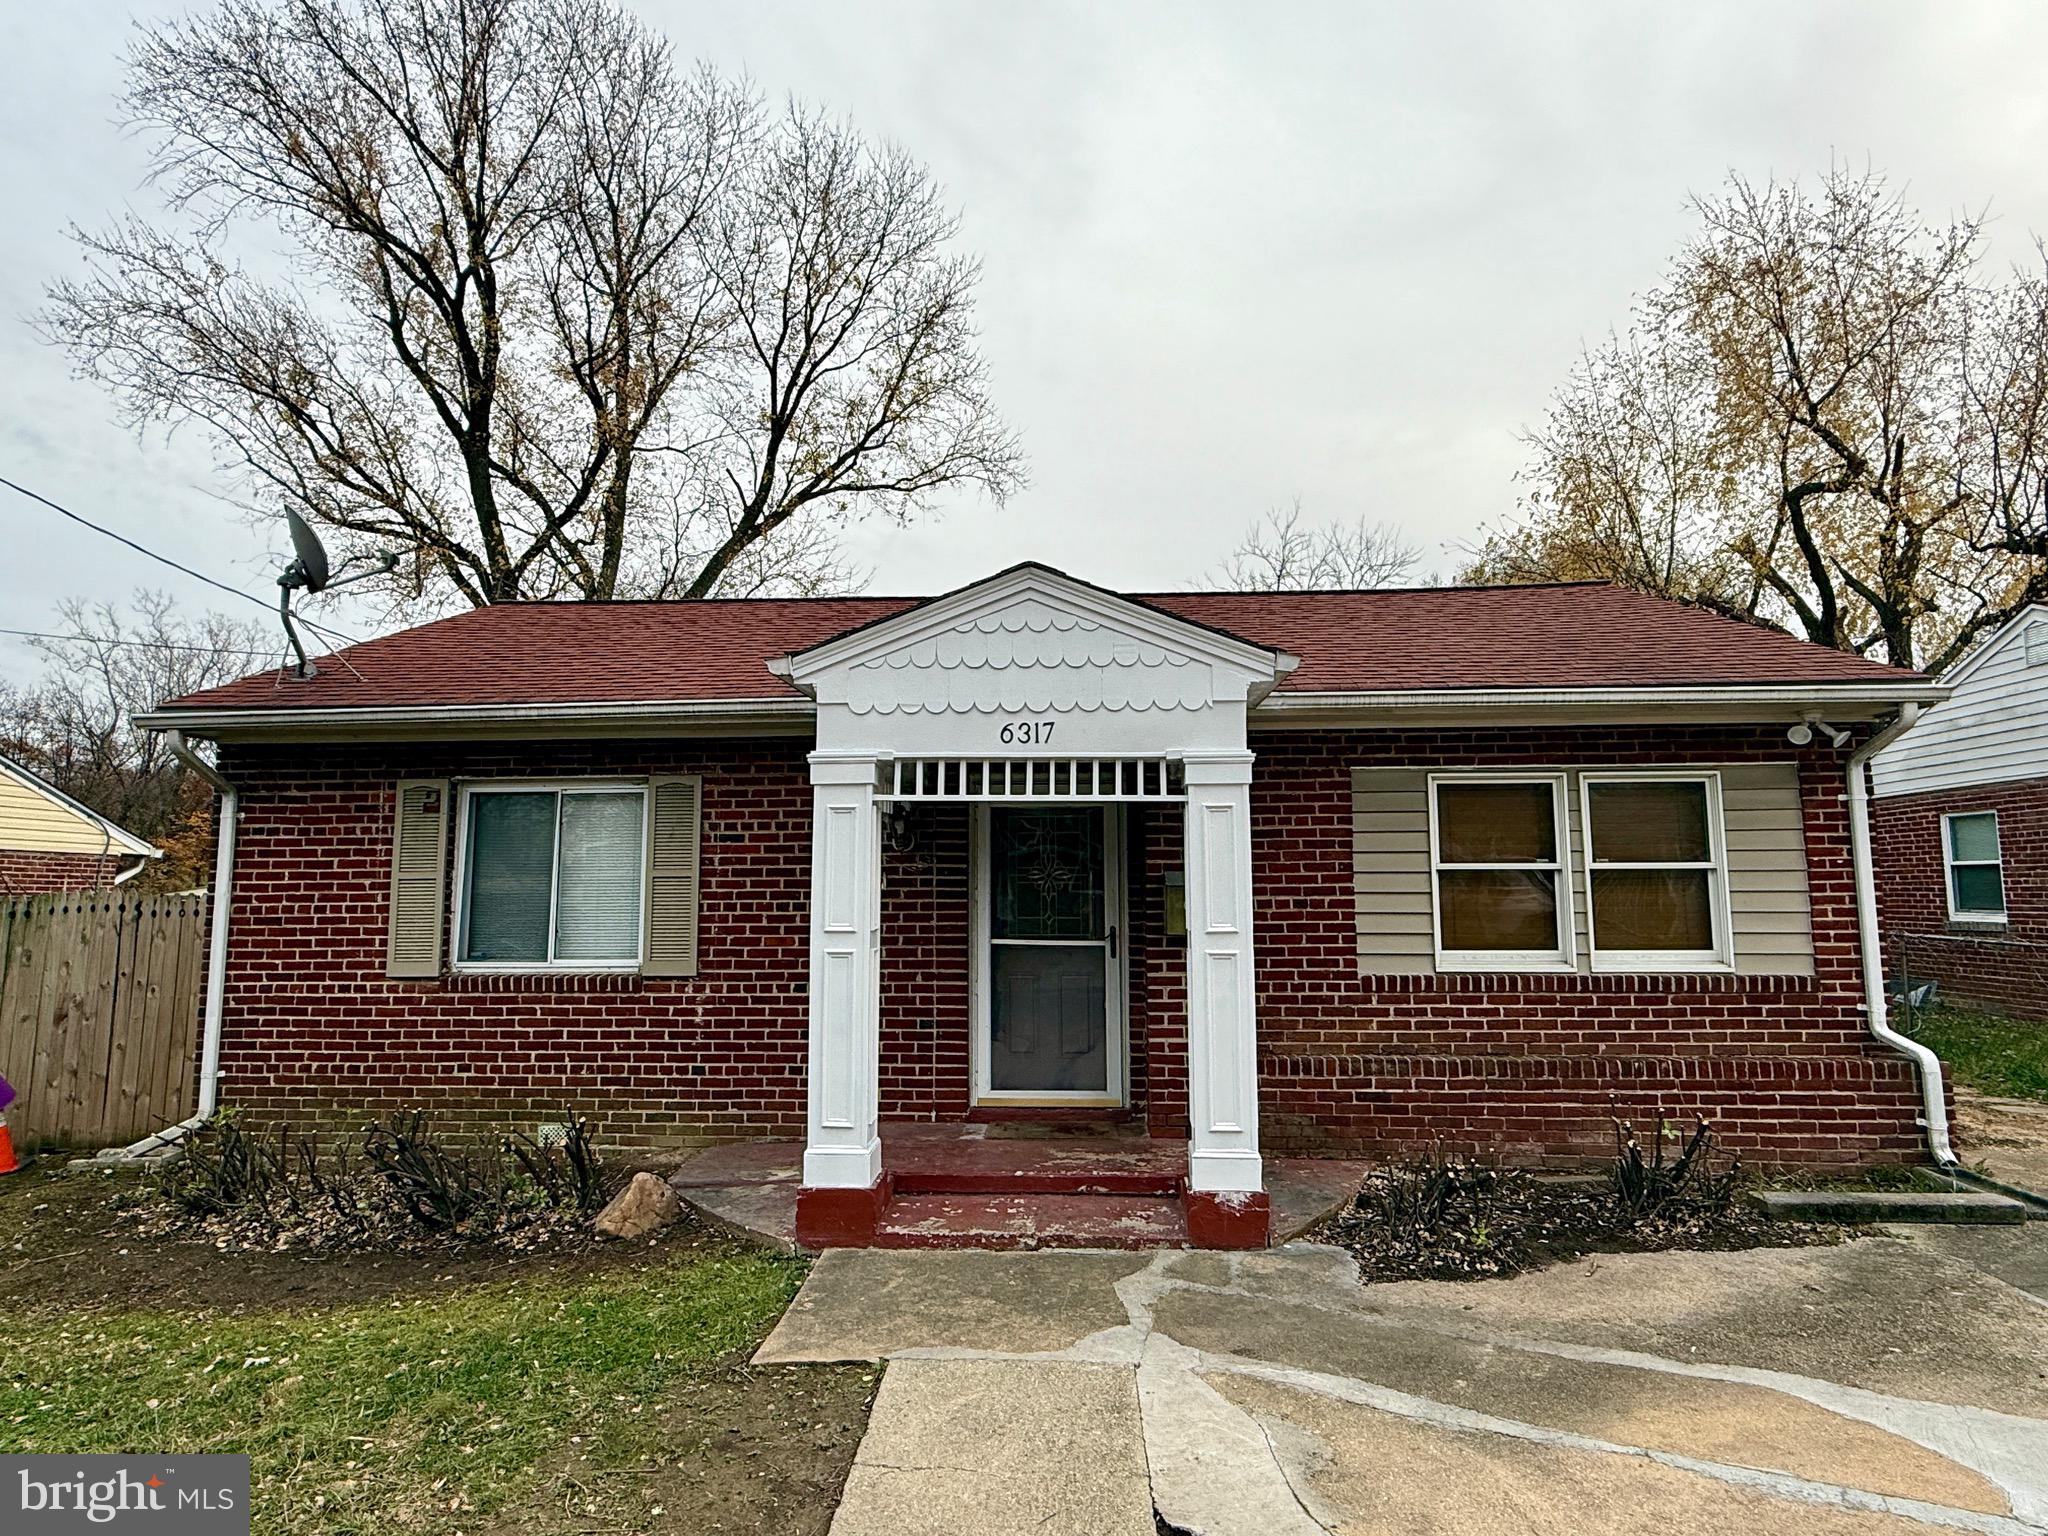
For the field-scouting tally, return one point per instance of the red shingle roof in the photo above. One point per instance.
(1573, 636)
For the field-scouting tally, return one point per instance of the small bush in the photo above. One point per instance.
(444, 1189)
(227, 1170)
(1659, 1187)
(567, 1172)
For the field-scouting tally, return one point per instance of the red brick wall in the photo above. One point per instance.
(2001, 966)
(314, 1029)
(23, 873)
(1528, 1066)
(925, 925)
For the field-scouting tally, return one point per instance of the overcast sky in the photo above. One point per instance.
(1233, 253)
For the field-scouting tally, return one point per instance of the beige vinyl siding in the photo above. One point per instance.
(1390, 863)
(1769, 907)
(34, 823)
(1769, 913)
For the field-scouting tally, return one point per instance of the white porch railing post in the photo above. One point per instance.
(844, 1149)
(1223, 1071)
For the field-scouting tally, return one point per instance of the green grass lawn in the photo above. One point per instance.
(1986, 1051)
(428, 1411)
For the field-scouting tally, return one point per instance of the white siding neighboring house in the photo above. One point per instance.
(1959, 829)
(49, 841)
(1993, 729)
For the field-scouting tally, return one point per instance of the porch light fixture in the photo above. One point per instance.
(1177, 904)
(896, 827)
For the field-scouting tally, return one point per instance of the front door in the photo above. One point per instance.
(1050, 1003)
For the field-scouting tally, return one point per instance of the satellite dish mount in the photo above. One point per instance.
(309, 572)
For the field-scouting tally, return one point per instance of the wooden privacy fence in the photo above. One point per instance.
(99, 1014)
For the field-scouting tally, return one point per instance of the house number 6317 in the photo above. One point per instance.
(1026, 733)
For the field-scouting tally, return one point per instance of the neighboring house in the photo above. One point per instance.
(1960, 821)
(1300, 873)
(49, 842)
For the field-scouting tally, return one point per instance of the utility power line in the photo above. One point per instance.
(143, 549)
(146, 645)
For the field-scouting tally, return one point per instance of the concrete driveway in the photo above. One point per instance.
(1893, 1384)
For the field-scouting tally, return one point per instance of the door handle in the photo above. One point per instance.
(1112, 941)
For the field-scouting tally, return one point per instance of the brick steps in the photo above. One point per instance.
(988, 1220)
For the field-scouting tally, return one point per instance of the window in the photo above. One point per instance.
(1654, 871)
(1976, 882)
(1498, 857)
(552, 876)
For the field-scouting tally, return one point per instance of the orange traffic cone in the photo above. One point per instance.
(9, 1163)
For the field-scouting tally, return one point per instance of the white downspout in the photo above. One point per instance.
(217, 929)
(159, 1144)
(1934, 1107)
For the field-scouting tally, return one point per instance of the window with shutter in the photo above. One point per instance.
(675, 821)
(419, 855)
(552, 876)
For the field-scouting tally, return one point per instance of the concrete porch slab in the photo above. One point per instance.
(971, 1183)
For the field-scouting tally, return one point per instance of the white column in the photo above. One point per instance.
(1223, 1067)
(844, 1150)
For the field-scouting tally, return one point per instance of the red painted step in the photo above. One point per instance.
(1032, 1221)
(1159, 1182)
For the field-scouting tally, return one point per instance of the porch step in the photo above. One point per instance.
(1162, 1183)
(1031, 1221)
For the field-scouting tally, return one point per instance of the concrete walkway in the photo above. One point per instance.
(1893, 1384)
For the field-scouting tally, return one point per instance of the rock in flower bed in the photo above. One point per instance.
(1444, 1217)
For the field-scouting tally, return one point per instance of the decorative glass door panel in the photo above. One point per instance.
(1052, 951)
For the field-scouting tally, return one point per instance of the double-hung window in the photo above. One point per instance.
(1976, 876)
(1655, 871)
(1498, 863)
(552, 876)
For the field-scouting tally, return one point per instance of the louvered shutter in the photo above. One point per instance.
(672, 876)
(419, 861)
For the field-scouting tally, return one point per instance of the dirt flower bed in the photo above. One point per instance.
(399, 1185)
(1443, 1217)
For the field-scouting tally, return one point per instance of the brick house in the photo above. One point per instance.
(1268, 873)
(49, 842)
(1960, 825)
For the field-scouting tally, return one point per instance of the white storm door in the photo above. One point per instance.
(1049, 1006)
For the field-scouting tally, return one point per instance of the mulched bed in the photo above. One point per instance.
(1468, 1221)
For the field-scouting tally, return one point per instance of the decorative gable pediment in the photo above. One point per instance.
(1032, 642)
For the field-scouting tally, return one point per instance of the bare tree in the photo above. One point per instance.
(557, 318)
(72, 725)
(1279, 553)
(1824, 419)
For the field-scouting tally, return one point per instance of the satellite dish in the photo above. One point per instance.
(312, 561)
(309, 572)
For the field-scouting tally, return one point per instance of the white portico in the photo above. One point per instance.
(1048, 705)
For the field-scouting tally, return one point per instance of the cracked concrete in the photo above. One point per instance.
(1271, 1394)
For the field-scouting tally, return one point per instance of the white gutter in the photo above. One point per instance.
(217, 925)
(1795, 696)
(633, 711)
(1934, 1113)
